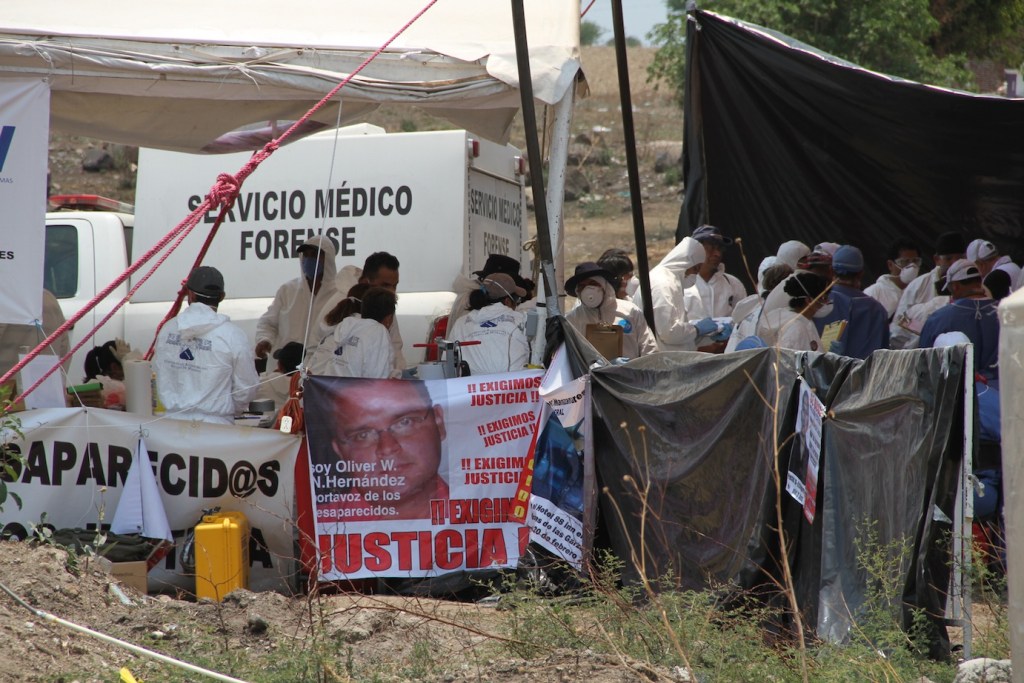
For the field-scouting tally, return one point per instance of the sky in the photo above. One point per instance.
(638, 16)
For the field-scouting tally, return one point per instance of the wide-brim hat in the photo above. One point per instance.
(585, 270)
(498, 263)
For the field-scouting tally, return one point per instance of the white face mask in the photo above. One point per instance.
(824, 311)
(909, 273)
(689, 280)
(591, 296)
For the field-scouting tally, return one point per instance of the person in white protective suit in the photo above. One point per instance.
(926, 293)
(715, 292)
(793, 327)
(361, 344)
(464, 286)
(380, 269)
(290, 317)
(494, 321)
(676, 272)
(596, 289)
(203, 362)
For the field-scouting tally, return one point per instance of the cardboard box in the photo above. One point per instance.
(134, 574)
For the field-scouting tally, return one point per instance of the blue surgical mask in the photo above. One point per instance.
(311, 268)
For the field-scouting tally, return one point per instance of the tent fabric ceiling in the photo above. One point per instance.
(146, 73)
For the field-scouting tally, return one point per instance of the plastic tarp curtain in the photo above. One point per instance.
(685, 450)
(785, 142)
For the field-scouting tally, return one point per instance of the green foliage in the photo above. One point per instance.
(11, 458)
(590, 33)
(895, 37)
(719, 635)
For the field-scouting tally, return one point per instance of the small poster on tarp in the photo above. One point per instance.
(803, 487)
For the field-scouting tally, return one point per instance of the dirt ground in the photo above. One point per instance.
(383, 638)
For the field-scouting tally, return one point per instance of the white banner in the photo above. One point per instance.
(24, 152)
(77, 462)
(416, 479)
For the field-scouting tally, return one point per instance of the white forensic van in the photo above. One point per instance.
(439, 201)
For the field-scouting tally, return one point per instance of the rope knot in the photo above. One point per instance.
(224, 191)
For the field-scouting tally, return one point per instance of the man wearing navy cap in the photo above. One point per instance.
(204, 362)
(867, 323)
(715, 293)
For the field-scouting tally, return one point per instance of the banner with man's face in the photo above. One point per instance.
(416, 478)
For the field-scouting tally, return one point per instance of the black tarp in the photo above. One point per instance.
(683, 444)
(784, 142)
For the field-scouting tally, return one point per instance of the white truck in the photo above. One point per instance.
(439, 201)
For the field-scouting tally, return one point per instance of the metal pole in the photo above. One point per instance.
(629, 135)
(547, 268)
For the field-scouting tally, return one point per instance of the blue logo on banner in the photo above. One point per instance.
(6, 136)
(186, 354)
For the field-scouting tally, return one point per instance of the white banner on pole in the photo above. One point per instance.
(77, 464)
(24, 135)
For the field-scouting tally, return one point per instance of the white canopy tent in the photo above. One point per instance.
(178, 75)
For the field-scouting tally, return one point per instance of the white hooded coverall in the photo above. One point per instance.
(502, 335)
(358, 348)
(672, 330)
(204, 366)
(286, 318)
(637, 339)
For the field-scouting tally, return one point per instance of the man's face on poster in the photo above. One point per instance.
(392, 426)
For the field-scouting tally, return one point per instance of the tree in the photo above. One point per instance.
(590, 33)
(891, 36)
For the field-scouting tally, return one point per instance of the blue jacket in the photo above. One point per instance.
(867, 322)
(978, 320)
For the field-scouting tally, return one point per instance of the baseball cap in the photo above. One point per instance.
(981, 250)
(585, 270)
(500, 285)
(709, 233)
(961, 270)
(206, 281)
(829, 248)
(815, 258)
(290, 355)
(848, 260)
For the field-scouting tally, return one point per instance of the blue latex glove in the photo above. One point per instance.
(724, 334)
(705, 327)
(838, 347)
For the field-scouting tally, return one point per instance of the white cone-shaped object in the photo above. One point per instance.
(141, 510)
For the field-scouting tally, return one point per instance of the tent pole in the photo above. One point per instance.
(547, 268)
(643, 268)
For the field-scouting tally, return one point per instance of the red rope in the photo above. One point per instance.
(225, 191)
(222, 193)
(584, 12)
(184, 233)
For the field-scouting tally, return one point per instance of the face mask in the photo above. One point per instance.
(689, 280)
(591, 296)
(909, 273)
(824, 311)
(309, 268)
